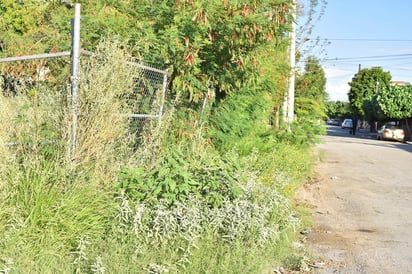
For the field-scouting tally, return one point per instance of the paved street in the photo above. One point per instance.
(362, 204)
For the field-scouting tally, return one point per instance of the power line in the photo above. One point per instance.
(351, 60)
(367, 39)
(369, 57)
(385, 60)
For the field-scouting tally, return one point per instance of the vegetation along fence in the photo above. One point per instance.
(149, 89)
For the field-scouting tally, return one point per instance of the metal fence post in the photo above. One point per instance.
(163, 95)
(75, 65)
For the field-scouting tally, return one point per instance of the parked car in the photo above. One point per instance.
(334, 122)
(347, 123)
(391, 132)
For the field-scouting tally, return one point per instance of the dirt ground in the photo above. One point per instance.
(361, 203)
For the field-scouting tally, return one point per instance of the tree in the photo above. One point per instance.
(373, 112)
(312, 83)
(203, 42)
(310, 96)
(220, 43)
(310, 90)
(310, 13)
(363, 87)
(210, 46)
(36, 27)
(337, 109)
(396, 102)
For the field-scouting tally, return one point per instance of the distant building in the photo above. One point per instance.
(399, 83)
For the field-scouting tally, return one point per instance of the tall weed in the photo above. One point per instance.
(192, 233)
(104, 140)
(47, 203)
(45, 211)
(180, 204)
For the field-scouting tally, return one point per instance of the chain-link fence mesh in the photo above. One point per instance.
(149, 95)
(30, 85)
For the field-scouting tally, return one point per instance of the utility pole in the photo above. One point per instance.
(289, 102)
(75, 68)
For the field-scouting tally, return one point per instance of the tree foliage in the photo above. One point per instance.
(396, 101)
(219, 43)
(212, 48)
(373, 112)
(363, 87)
(312, 82)
(310, 92)
(310, 12)
(337, 109)
(204, 43)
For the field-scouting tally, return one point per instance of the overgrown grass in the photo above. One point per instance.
(175, 204)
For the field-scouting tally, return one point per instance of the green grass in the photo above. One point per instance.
(62, 216)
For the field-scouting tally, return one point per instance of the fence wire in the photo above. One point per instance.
(149, 93)
(35, 73)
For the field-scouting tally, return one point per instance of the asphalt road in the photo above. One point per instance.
(362, 205)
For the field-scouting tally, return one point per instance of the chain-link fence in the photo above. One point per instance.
(149, 89)
(149, 95)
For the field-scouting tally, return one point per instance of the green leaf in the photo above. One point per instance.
(157, 190)
(172, 185)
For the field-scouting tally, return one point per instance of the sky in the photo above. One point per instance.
(368, 33)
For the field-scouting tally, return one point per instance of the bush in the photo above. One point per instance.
(175, 202)
(48, 201)
(189, 168)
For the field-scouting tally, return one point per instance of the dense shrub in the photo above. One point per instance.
(174, 179)
(176, 202)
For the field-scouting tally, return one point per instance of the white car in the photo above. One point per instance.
(391, 132)
(334, 122)
(347, 123)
